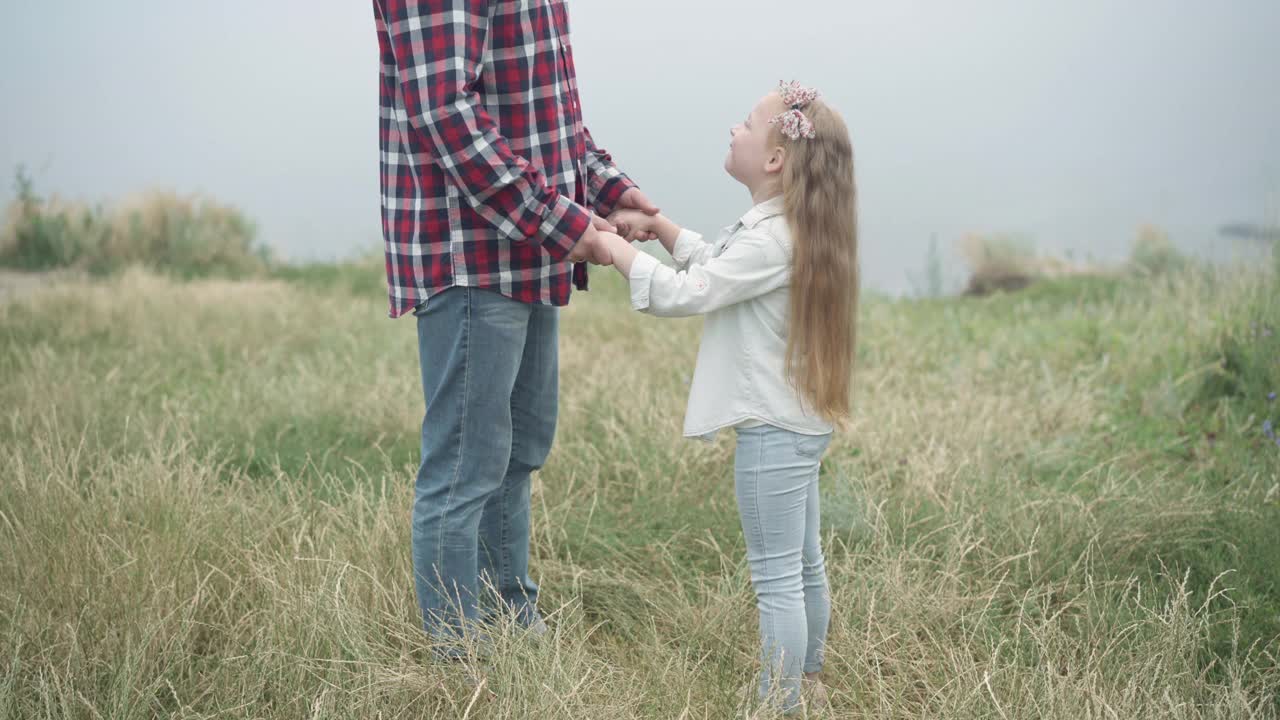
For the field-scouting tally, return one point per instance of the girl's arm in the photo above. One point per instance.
(753, 265)
(624, 256)
(685, 246)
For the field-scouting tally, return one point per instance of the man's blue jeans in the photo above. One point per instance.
(489, 379)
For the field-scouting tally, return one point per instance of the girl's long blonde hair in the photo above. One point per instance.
(820, 197)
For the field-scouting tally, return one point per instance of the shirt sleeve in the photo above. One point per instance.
(690, 249)
(605, 182)
(753, 265)
(438, 46)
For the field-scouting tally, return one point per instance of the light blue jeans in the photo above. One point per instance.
(489, 380)
(776, 482)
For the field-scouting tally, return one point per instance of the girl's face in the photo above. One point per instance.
(753, 158)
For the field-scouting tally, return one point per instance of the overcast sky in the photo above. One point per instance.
(1072, 123)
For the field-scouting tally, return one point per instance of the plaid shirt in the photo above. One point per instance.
(486, 164)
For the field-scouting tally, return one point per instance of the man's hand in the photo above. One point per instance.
(602, 225)
(635, 200)
(592, 248)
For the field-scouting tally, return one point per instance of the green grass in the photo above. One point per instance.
(1058, 503)
(366, 278)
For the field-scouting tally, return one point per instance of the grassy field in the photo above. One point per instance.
(1060, 503)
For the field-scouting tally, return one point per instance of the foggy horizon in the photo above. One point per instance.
(1070, 125)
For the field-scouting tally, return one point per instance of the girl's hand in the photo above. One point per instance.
(634, 224)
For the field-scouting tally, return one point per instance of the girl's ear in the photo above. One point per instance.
(773, 163)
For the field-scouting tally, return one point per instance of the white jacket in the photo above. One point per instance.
(740, 283)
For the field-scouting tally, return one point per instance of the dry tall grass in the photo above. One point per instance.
(1011, 524)
(1007, 262)
(184, 235)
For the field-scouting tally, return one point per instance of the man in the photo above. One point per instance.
(492, 196)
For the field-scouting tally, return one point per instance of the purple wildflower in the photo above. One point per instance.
(1271, 396)
(1267, 429)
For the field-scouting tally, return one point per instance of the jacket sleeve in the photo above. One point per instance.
(754, 265)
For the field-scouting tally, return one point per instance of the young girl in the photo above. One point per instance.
(779, 289)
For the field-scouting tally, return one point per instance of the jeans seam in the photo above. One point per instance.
(503, 545)
(504, 567)
(764, 556)
(819, 650)
(462, 445)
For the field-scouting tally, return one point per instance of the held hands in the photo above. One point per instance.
(634, 207)
(602, 234)
(594, 245)
(635, 224)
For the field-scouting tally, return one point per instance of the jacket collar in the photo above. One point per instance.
(769, 208)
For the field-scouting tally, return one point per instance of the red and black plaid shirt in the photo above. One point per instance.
(486, 165)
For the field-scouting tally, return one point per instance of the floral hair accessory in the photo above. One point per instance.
(795, 95)
(794, 125)
(792, 122)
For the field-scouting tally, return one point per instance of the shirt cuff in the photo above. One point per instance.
(607, 189)
(641, 279)
(686, 242)
(563, 225)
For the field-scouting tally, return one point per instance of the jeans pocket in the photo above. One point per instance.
(811, 446)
